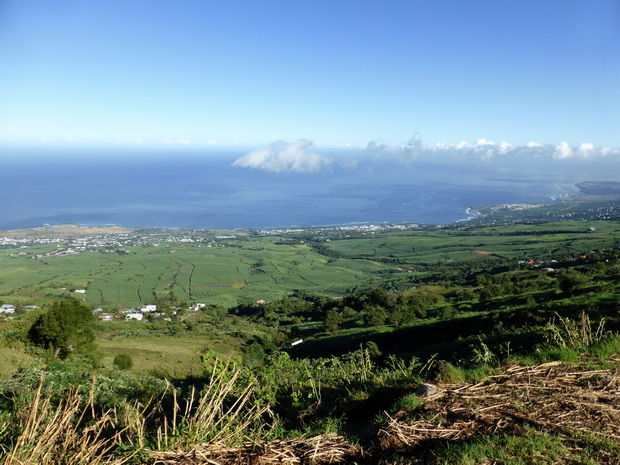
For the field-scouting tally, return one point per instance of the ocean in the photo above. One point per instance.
(200, 189)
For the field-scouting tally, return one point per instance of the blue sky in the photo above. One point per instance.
(337, 73)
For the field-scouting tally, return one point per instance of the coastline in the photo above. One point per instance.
(471, 215)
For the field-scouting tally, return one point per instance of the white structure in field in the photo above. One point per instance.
(7, 308)
(149, 308)
(134, 316)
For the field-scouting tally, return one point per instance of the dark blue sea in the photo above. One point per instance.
(200, 189)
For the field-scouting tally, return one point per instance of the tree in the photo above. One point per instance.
(65, 329)
(378, 296)
(375, 315)
(569, 280)
(255, 355)
(446, 312)
(332, 322)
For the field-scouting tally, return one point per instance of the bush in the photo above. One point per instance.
(123, 362)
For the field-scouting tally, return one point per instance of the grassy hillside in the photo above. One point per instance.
(516, 327)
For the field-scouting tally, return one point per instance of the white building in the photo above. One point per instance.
(134, 316)
(7, 308)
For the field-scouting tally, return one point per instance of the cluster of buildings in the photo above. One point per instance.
(139, 313)
(7, 308)
(515, 206)
(112, 243)
(10, 308)
(347, 228)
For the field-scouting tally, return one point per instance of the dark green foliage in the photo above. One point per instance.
(569, 280)
(446, 312)
(373, 349)
(65, 329)
(333, 320)
(530, 301)
(123, 362)
(255, 355)
(375, 315)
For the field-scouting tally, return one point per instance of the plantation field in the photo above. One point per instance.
(185, 273)
(512, 241)
(239, 269)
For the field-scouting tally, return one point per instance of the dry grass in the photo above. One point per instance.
(212, 417)
(56, 435)
(74, 432)
(549, 398)
(323, 449)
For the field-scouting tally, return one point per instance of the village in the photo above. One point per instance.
(143, 313)
(147, 312)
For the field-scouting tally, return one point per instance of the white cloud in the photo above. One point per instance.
(378, 148)
(166, 141)
(562, 150)
(488, 150)
(408, 152)
(585, 150)
(70, 139)
(504, 147)
(606, 151)
(183, 141)
(281, 156)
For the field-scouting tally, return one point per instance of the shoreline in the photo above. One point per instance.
(470, 211)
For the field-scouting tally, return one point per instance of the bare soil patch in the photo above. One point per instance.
(64, 230)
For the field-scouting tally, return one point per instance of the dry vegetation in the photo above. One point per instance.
(551, 398)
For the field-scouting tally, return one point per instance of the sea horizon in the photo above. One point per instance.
(196, 189)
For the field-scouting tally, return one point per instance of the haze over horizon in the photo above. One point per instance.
(408, 79)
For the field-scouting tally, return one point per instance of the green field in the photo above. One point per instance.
(267, 267)
(165, 357)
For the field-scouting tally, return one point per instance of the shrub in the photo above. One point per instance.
(123, 362)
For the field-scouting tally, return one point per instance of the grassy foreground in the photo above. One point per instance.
(554, 412)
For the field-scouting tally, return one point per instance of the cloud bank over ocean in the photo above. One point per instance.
(299, 156)
(281, 156)
(487, 150)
